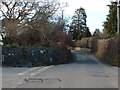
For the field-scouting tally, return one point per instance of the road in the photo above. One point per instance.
(85, 72)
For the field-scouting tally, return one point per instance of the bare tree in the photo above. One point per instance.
(25, 20)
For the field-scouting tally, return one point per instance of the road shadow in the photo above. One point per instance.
(80, 57)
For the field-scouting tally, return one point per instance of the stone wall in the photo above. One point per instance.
(27, 56)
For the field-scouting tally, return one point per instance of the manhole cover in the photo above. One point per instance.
(33, 79)
(42, 80)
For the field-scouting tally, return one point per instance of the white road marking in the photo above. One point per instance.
(25, 72)
(32, 74)
(39, 71)
(32, 69)
(20, 74)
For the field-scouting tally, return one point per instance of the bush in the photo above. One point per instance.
(106, 49)
(93, 44)
(114, 50)
(83, 43)
(64, 40)
(78, 43)
(102, 48)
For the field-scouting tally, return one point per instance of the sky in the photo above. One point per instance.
(96, 11)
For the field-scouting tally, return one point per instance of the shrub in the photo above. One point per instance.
(77, 43)
(102, 48)
(106, 49)
(83, 43)
(93, 44)
(64, 40)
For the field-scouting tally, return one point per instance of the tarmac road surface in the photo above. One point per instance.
(85, 72)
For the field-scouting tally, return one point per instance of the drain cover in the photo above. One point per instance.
(33, 79)
(42, 79)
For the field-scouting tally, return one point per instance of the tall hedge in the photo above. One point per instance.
(107, 49)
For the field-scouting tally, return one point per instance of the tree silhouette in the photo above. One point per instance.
(110, 25)
(78, 27)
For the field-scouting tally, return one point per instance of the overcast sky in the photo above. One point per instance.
(96, 11)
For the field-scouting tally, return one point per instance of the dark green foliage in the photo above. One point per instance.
(110, 25)
(78, 27)
(87, 32)
(96, 32)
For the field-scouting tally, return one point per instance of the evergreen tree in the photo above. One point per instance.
(78, 25)
(96, 32)
(110, 25)
(87, 32)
